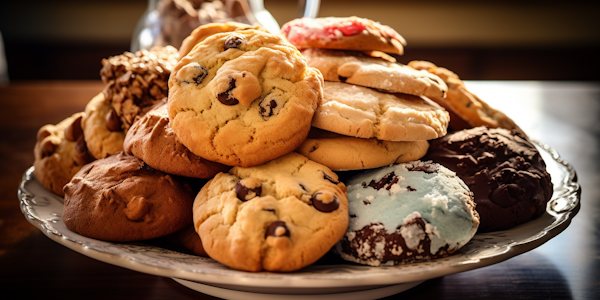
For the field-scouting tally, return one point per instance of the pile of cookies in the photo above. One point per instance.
(265, 151)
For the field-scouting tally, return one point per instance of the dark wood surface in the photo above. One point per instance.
(561, 114)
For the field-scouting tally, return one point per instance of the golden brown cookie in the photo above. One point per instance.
(342, 153)
(102, 128)
(60, 151)
(243, 98)
(152, 140)
(358, 111)
(204, 31)
(347, 33)
(279, 216)
(121, 199)
(375, 72)
(470, 109)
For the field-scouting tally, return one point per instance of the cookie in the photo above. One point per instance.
(407, 212)
(243, 98)
(121, 199)
(102, 128)
(136, 81)
(60, 151)
(202, 32)
(152, 140)
(348, 33)
(470, 110)
(366, 113)
(279, 216)
(374, 72)
(504, 170)
(341, 153)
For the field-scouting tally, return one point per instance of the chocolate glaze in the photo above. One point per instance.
(503, 169)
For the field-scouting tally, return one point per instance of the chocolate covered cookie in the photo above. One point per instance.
(121, 199)
(279, 216)
(407, 212)
(504, 170)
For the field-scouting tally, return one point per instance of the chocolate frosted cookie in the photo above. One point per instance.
(348, 33)
(60, 151)
(135, 81)
(243, 98)
(152, 140)
(102, 128)
(121, 199)
(374, 72)
(279, 216)
(503, 169)
(407, 212)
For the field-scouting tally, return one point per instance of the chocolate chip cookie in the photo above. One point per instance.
(279, 216)
(102, 128)
(243, 98)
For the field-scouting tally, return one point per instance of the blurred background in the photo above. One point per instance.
(479, 40)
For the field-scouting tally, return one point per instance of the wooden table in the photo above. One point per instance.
(564, 115)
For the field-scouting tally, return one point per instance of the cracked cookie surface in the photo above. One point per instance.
(366, 113)
(243, 98)
(374, 72)
(279, 216)
(152, 140)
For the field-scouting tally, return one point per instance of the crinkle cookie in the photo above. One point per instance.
(504, 170)
(60, 151)
(102, 128)
(470, 110)
(152, 140)
(347, 33)
(243, 98)
(407, 212)
(366, 113)
(341, 153)
(136, 81)
(121, 199)
(279, 216)
(202, 32)
(374, 72)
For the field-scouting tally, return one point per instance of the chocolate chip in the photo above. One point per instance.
(248, 188)
(342, 78)
(266, 110)
(81, 146)
(113, 122)
(74, 131)
(199, 74)
(410, 189)
(226, 97)
(233, 41)
(329, 178)
(277, 229)
(48, 148)
(325, 201)
(386, 182)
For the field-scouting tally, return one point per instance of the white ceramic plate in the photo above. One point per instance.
(43, 209)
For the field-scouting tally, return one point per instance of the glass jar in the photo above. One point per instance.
(169, 22)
